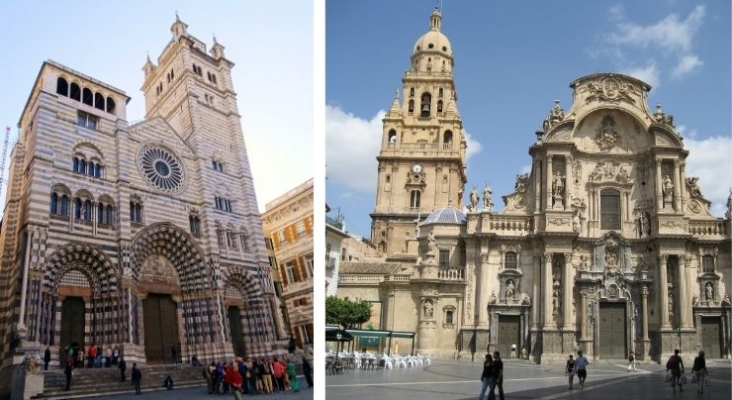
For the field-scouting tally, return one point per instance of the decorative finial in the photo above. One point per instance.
(658, 107)
(177, 18)
(214, 37)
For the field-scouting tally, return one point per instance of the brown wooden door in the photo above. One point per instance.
(711, 336)
(237, 332)
(161, 328)
(508, 334)
(72, 325)
(612, 331)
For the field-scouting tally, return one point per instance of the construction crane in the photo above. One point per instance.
(5, 155)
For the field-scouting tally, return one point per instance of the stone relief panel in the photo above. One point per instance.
(611, 133)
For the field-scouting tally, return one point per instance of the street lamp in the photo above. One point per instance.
(339, 336)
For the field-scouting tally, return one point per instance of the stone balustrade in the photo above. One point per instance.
(708, 228)
(451, 274)
(399, 278)
(360, 279)
(514, 224)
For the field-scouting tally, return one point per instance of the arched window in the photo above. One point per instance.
(447, 139)
(62, 87)
(110, 105)
(449, 317)
(100, 213)
(392, 136)
(411, 92)
(414, 199)
(439, 93)
(77, 208)
(97, 170)
(76, 164)
(195, 224)
(99, 101)
(425, 105)
(64, 210)
(87, 97)
(135, 211)
(411, 107)
(610, 209)
(88, 210)
(54, 203)
(708, 264)
(244, 239)
(510, 260)
(75, 92)
(82, 166)
(110, 214)
(90, 168)
(439, 106)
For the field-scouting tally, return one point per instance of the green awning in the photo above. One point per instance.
(368, 333)
(403, 335)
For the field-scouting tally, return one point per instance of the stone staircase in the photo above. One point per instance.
(99, 381)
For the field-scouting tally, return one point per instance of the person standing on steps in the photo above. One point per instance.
(68, 371)
(498, 372)
(46, 358)
(136, 378)
(174, 354)
(581, 363)
(122, 368)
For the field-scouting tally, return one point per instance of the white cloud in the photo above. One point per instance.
(687, 64)
(649, 73)
(670, 33)
(526, 169)
(710, 160)
(352, 144)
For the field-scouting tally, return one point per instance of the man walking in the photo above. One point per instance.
(498, 372)
(676, 365)
(46, 358)
(122, 368)
(136, 378)
(68, 371)
(581, 363)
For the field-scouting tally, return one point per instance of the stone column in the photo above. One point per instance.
(682, 189)
(536, 304)
(684, 303)
(569, 320)
(537, 185)
(583, 317)
(659, 185)
(663, 292)
(568, 183)
(646, 339)
(547, 286)
(677, 186)
(549, 175)
(481, 279)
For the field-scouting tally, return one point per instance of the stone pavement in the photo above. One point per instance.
(448, 380)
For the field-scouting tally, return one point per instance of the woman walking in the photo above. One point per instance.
(700, 369)
(631, 362)
(488, 379)
(292, 372)
(570, 369)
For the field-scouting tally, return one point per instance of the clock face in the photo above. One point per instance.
(416, 168)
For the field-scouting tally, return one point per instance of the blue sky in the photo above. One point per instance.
(271, 44)
(512, 60)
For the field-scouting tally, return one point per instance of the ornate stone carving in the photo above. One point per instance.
(428, 309)
(430, 292)
(728, 214)
(522, 183)
(473, 200)
(709, 292)
(663, 118)
(558, 221)
(667, 190)
(693, 187)
(510, 288)
(487, 203)
(610, 90)
(556, 115)
(493, 299)
(641, 264)
(695, 300)
(583, 264)
(32, 364)
(606, 137)
(525, 299)
(694, 207)
(672, 224)
(608, 171)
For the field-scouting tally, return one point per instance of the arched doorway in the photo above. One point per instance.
(72, 326)
(613, 331)
(237, 331)
(161, 328)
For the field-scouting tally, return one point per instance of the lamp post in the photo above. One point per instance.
(339, 336)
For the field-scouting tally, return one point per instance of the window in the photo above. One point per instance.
(444, 258)
(87, 97)
(244, 239)
(425, 105)
(197, 70)
(135, 212)
(290, 270)
(708, 264)
(195, 224)
(87, 120)
(99, 101)
(309, 265)
(75, 92)
(59, 204)
(62, 87)
(411, 107)
(54, 203)
(411, 92)
(211, 77)
(223, 204)
(449, 317)
(220, 237)
(439, 93)
(610, 209)
(217, 166)
(105, 214)
(414, 199)
(230, 240)
(268, 244)
(510, 261)
(439, 106)
(83, 209)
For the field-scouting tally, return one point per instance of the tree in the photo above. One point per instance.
(346, 313)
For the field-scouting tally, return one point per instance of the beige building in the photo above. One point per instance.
(143, 236)
(288, 223)
(606, 245)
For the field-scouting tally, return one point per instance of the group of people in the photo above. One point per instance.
(577, 367)
(256, 376)
(93, 357)
(675, 371)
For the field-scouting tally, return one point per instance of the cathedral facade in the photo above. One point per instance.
(142, 237)
(605, 246)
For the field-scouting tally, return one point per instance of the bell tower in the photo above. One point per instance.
(422, 157)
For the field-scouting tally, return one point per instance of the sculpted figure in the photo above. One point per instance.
(428, 309)
(558, 183)
(729, 206)
(709, 291)
(509, 289)
(487, 197)
(667, 189)
(474, 199)
(431, 243)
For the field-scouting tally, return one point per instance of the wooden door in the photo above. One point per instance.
(72, 325)
(509, 328)
(161, 328)
(711, 337)
(237, 332)
(612, 341)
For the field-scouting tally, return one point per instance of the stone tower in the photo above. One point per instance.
(422, 157)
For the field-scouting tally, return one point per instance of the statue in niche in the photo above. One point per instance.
(670, 305)
(428, 309)
(509, 289)
(493, 298)
(643, 224)
(474, 199)
(709, 290)
(576, 222)
(642, 265)
(725, 300)
(695, 301)
(583, 266)
(558, 184)
(556, 302)
(667, 189)
(487, 196)
(431, 243)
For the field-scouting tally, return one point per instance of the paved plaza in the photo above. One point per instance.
(200, 393)
(447, 380)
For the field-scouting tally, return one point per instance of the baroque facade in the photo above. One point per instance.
(605, 246)
(288, 226)
(143, 236)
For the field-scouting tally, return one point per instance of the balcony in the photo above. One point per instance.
(708, 229)
(451, 274)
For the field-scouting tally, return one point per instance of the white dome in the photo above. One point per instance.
(447, 215)
(434, 41)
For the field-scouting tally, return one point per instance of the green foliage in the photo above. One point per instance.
(346, 313)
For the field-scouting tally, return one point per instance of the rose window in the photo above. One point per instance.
(161, 168)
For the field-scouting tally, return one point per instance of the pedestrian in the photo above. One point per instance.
(46, 358)
(91, 355)
(291, 346)
(267, 375)
(208, 373)
(174, 354)
(115, 356)
(168, 383)
(307, 369)
(278, 370)
(292, 373)
(136, 378)
(676, 366)
(700, 371)
(251, 376)
(68, 371)
(122, 368)
(513, 351)
(631, 362)
(498, 373)
(581, 363)
(570, 370)
(234, 379)
(488, 379)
